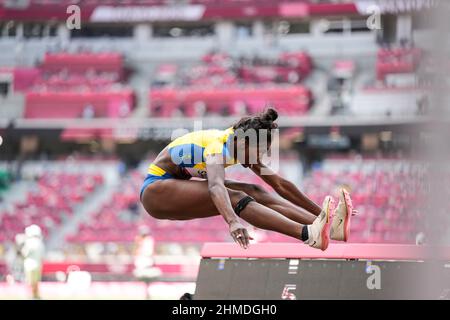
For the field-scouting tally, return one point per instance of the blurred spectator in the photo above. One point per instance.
(88, 112)
(200, 108)
(240, 108)
(243, 32)
(33, 255)
(14, 258)
(143, 256)
(158, 109)
(420, 239)
(224, 110)
(180, 111)
(422, 105)
(94, 251)
(124, 109)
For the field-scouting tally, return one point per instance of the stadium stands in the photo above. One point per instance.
(118, 221)
(397, 60)
(77, 105)
(386, 192)
(83, 61)
(225, 86)
(52, 198)
(233, 101)
(76, 85)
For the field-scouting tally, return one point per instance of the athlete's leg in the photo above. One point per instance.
(273, 201)
(317, 225)
(186, 199)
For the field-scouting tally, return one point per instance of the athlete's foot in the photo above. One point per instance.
(340, 225)
(318, 230)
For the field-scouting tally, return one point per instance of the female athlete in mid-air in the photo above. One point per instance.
(170, 193)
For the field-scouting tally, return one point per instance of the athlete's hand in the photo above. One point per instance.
(240, 234)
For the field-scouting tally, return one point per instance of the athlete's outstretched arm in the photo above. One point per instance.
(286, 189)
(221, 199)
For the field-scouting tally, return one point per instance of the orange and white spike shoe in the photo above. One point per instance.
(318, 231)
(340, 225)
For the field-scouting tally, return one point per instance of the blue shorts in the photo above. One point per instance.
(152, 178)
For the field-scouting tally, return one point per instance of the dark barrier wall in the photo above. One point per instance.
(317, 279)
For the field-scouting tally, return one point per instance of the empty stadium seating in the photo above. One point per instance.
(72, 104)
(47, 203)
(397, 60)
(62, 81)
(289, 101)
(118, 222)
(223, 85)
(221, 69)
(387, 194)
(84, 61)
(75, 85)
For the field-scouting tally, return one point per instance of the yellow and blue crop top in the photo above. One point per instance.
(190, 150)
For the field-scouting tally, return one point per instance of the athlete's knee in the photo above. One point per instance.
(236, 195)
(152, 209)
(155, 213)
(257, 189)
(240, 200)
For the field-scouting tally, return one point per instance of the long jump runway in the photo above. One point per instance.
(343, 271)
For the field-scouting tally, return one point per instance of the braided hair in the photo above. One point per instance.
(263, 121)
